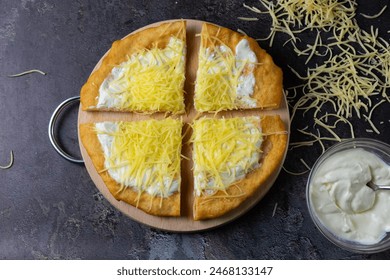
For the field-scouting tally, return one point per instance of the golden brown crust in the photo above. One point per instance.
(273, 147)
(122, 49)
(169, 206)
(268, 89)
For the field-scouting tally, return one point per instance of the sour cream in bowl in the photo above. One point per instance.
(344, 209)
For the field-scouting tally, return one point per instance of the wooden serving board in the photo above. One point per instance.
(185, 222)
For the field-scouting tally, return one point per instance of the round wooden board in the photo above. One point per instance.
(185, 222)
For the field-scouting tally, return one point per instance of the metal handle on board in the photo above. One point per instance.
(52, 123)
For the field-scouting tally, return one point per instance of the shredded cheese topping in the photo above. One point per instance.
(225, 80)
(215, 80)
(144, 155)
(151, 80)
(224, 151)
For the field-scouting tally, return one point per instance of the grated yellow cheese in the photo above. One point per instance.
(144, 155)
(152, 80)
(306, 14)
(215, 81)
(224, 151)
(354, 73)
(218, 77)
(347, 80)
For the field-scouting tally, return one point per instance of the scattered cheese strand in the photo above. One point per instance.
(294, 173)
(27, 72)
(248, 18)
(376, 15)
(11, 162)
(274, 211)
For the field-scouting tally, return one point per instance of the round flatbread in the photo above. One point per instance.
(267, 93)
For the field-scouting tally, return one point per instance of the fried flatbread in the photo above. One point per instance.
(219, 42)
(156, 204)
(145, 83)
(267, 95)
(223, 201)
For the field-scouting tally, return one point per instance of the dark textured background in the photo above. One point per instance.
(49, 207)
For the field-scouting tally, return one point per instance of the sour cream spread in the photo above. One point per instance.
(246, 82)
(342, 201)
(106, 138)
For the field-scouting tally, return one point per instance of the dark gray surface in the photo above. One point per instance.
(50, 209)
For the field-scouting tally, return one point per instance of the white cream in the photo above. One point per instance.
(105, 134)
(246, 81)
(235, 172)
(110, 91)
(342, 201)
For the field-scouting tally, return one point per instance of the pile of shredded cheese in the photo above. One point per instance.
(349, 79)
(224, 151)
(153, 79)
(328, 18)
(295, 16)
(150, 152)
(353, 78)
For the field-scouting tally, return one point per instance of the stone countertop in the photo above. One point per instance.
(50, 208)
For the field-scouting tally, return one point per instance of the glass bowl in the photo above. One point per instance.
(381, 150)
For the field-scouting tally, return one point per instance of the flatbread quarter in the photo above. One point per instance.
(138, 161)
(143, 72)
(235, 73)
(232, 159)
